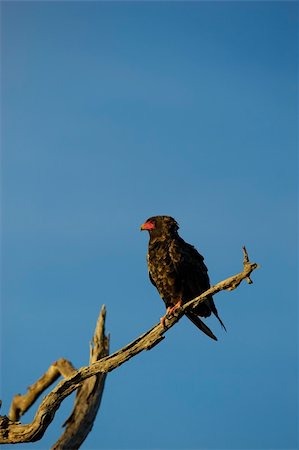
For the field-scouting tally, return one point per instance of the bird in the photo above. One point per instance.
(178, 271)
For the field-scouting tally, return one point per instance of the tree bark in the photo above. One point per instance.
(89, 395)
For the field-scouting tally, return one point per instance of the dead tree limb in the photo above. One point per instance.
(21, 403)
(89, 395)
(11, 432)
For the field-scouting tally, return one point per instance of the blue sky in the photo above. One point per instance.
(113, 112)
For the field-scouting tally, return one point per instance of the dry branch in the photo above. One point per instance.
(89, 395)
(21, 403)
(11, 432)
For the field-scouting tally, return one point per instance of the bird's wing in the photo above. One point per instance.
(190, 267)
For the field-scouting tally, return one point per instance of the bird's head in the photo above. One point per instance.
(160, 225)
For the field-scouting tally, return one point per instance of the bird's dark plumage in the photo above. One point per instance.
(177, 270)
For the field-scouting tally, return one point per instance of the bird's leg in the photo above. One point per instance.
(175, 307)
(169, 311)
(162, 319)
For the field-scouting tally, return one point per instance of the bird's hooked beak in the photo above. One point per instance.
(147, 226)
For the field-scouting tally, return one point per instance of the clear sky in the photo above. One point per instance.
(113, 112)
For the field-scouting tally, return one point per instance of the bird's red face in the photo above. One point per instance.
(148, 225)
(160, 226)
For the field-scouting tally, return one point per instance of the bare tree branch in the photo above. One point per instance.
(229, 284)
(21, 403)
(11, 432)
(89, 395)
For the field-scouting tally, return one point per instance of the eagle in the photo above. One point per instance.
(178, 271)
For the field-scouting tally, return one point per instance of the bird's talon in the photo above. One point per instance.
(162, 321)
(175, 307)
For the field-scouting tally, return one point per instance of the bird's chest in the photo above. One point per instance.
(163, 272)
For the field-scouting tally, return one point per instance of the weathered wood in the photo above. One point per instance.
(21, 403)
(11, 432)
(89, 395)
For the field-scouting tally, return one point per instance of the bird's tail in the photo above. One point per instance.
(213, 308)
(199, 323)
(222, 324)
(215, 312)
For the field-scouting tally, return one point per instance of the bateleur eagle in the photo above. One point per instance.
(178, 271)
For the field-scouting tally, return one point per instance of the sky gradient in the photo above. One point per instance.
(116, 111)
